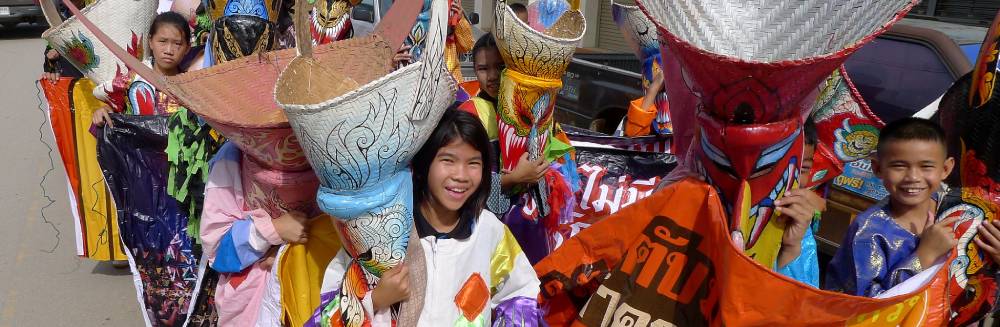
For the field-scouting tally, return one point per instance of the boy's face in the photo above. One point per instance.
(912, 170)
(488, 65)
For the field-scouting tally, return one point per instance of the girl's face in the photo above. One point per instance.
(454, 175)
(488, 65)
(169, 46)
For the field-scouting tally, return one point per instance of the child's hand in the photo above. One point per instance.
(525, 172)
(936, 240)
(456, 10)
(402, 57)
(988, 239)
(393, 288)
(101, 117)
(268, 260)
(797, 208)
(291, 227)
(52, 54)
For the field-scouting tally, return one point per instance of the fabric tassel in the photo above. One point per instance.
(190, 145)
(519, 311)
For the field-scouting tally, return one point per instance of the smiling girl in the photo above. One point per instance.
(476, 272)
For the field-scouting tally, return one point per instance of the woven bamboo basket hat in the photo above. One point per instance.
(126, 22)
(639, 31)
(786, 47)
(360, 124)
(236, 98)
(537, 53)
(354, 107)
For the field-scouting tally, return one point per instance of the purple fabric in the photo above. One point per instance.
(530, 235)
(153, 228)
(876, 254)
(324, 300)
(519, 311)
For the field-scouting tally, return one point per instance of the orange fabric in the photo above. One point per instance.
(668, 257)
(71, 105)
(61, 119)
(638, 119)
(471, 87)
(472, 298)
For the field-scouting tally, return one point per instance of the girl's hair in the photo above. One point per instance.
(455, 125)
(173, 19)
(485, 42)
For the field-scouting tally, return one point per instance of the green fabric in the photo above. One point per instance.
(190, 144)
(556, 149)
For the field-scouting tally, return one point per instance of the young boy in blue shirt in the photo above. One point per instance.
(898, 237)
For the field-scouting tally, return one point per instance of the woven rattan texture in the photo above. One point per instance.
(368, 134)
(771, 31)
(240, 92)
(534, 53)
(119, 19)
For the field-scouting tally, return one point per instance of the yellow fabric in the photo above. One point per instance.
(488, 115)
(532, 82)
(765, 250)
(461, 43)
(97, 207)
(502, 262)
(638, 118)
(301, 269)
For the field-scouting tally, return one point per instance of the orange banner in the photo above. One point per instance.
(667, 260)
(71, 105)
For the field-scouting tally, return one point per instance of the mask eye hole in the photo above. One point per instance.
(763, 171)
(770, 156)
(716, 156)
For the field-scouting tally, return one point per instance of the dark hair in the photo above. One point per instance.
(909, 129)
(485, 42)
(455, 125)
(174, 19)
(809, 130)
(518, 8)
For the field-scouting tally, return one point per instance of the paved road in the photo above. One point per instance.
(42, 282)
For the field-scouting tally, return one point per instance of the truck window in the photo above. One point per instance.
(898, 78)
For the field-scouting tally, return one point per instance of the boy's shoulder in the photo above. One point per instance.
(878, 211)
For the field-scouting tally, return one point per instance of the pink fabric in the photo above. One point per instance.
(238, 297)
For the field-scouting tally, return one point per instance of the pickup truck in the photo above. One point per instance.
(13, 12)
(597, 88)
